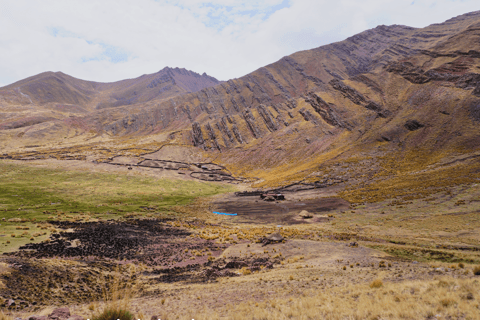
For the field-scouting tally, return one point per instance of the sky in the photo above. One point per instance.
(111, 40)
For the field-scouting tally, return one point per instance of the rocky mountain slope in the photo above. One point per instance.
(389, 90)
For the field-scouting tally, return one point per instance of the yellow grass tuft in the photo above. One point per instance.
(4, 316)
(476, 271)
(376, 283)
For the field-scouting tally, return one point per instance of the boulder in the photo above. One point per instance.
(413, 125)
(272, 238)
(353, 244)
(37, 318)
(304, 214)
(269, 198)
(60, 314)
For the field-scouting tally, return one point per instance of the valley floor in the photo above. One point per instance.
(93, 234)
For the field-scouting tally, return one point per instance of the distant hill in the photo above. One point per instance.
(52, 96)
(57, 87)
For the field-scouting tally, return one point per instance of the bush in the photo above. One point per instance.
(476, 271)
(447, 302)
(114, 314)
(245, 271)
(376, 284)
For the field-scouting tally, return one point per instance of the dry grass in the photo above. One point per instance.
(4, 316)
(412, 175)
(376, 283)
(117, 299)
(476, 271)
(446, 298)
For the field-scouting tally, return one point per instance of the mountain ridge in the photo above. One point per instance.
(78, 91)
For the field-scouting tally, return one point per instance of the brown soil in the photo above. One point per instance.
(253, 209)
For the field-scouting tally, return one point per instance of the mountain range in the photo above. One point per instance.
(339, 110)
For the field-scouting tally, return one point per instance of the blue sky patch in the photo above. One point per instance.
(220, 16)
(59, 32)
(110, 53)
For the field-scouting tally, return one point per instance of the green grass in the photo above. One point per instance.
(33, 195)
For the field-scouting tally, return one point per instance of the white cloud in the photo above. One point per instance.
(111, 40)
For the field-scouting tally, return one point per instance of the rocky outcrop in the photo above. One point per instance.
(410, 72)
(453, 72)
(270, 77)
(308, 116)
(197, 135)
(212, 136)
(357, 98)
(325, 111)
(267, 118)
(237, 134)
(223, 127)
(413, 125)
(250, 120)
(383, 113)
(368, 82)
(348, 92)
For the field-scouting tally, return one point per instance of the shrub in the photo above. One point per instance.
(376, 284)
(476, 271)
(114, 314)
(245, 271)
(447, 302)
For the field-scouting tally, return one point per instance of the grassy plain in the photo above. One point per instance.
(30, 196)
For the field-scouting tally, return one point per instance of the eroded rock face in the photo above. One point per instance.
(197, 135)
(267, 118)
(250, 120)
(457, 72)
(212, 136)
(413, 125)
(357, 98)
(325, 110)
(475, 111)
(308, 116)
(349, 93)
(410, 72)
